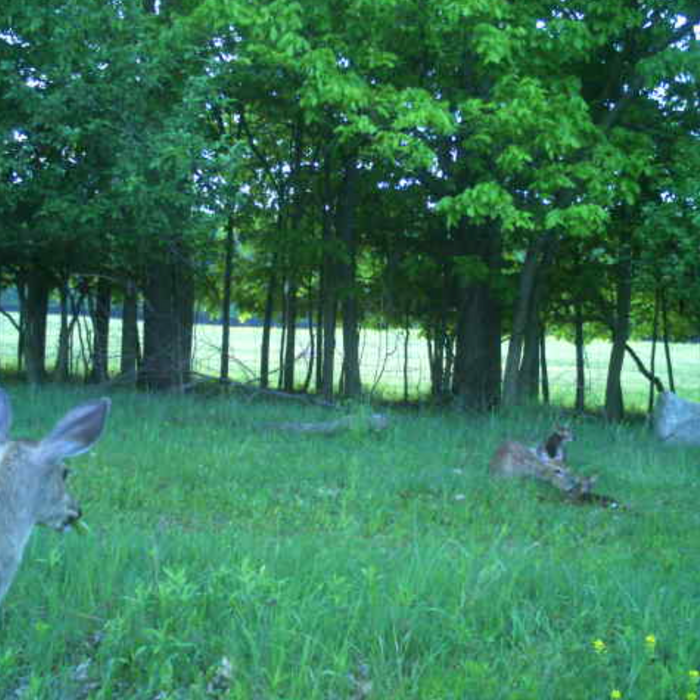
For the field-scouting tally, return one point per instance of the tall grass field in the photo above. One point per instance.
(226, 559)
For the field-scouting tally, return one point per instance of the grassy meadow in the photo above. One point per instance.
(228, 560)
(382, 361)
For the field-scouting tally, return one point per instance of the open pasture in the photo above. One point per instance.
(228, 561)
(382, 361)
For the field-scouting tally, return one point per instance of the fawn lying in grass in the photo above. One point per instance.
(514, 459)
(33, 478)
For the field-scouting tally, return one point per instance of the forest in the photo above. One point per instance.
(476, 171)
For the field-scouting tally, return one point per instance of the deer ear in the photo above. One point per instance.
(76, 432)
(5, 416)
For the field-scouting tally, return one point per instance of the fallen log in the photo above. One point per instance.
(376, 422)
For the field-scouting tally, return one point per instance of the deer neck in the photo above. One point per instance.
(17, 517)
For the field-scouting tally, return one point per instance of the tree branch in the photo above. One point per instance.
(637, 79)
(640, 366)
(8, 316)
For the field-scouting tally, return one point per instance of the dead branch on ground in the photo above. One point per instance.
(376, 422)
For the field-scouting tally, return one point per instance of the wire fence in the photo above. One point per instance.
(387, 361)
(383, 363)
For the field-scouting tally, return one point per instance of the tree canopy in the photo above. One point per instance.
(475, 169)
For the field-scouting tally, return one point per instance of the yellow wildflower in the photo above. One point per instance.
(694, 675)
(599, 646)
(650, 641)
(615, 695)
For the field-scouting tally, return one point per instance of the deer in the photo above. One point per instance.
(33, 478)
(553, 447)
(513, 459)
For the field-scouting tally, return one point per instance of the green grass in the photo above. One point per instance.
(226, 561)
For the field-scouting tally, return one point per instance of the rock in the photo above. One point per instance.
(676, 420)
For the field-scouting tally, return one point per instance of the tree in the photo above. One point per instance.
(102, 132)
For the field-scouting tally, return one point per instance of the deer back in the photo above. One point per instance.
(513, 459)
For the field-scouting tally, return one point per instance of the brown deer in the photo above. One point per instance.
(513, 459)
(33, 479)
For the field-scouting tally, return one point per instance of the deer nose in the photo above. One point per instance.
(74, 516)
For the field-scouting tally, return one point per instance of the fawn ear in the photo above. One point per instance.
(5, 416)
(76, 432)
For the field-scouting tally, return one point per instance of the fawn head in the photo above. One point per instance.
(565, 433)
(584, 487)
(560, 476)
(553, 447)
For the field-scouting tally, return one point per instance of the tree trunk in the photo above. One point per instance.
(22, 332)
(283, 341)
(476, 379)
(290, 339)
(528, 379)
(226, 303)
(477, 363)
(349, 303)
(330, 306)
(434, 363)
(76, 309)
(667, 347)
(654, 342)
(437, 338)
(293, 221)
(62, 369)
(100, 322)
(524, 315)
(543, 366)
(70, 307)
(129, 362)
(184, 320)
(352, 383)
(406, 347)
(36, 310)
(267, 328)
(319, 336)
(580, 402)
(529, 375)
(329, 287)
(312, 348)
(614, 405)
(168, 321)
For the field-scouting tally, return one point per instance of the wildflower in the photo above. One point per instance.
(599, 646)
(615, 694)
(691, 696)
(650, 641)
(694, 675)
